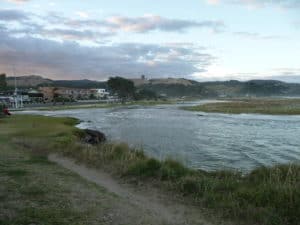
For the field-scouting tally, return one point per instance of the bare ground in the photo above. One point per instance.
(150, 202)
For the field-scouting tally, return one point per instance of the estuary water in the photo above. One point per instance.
(208, 141)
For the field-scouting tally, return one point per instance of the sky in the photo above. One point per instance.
(204, 40)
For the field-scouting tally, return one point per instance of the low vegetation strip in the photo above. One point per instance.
(259, 106)
(267, 196)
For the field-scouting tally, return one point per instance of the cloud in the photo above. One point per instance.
(18, 1)
(213, 2)
(82, 14)
(78, 35)
(69, 60)
(54, 25)
(146, 24)
(261, 3)
(258, 36)
(13, 15)
(153, 22)
(216, 72)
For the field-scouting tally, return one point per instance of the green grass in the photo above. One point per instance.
(259, 106)
(34, 190)
(34, 194)
(266, 196)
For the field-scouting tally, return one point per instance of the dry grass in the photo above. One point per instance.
(260, 106)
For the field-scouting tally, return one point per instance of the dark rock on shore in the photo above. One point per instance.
(94, 137)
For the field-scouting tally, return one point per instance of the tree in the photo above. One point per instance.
(3, 84)
(145, 94)
(124, 88)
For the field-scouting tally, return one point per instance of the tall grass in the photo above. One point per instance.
(261, 106)
(267, 195)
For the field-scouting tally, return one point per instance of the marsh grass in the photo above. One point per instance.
(259, 106)
(267, 195)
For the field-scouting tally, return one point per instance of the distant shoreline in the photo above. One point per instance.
(91, 105)
(255, 106)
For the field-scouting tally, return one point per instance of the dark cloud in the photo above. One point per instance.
(65, 28)
(69, 34)
(13, 15)
(69, 60)
(51, 46)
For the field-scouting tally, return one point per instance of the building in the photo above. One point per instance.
(100, 93)
(50, 93)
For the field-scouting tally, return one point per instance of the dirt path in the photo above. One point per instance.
(151, 201)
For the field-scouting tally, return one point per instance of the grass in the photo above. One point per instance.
(259, 106)
(34, 190)
(32, 193)
(266, 196)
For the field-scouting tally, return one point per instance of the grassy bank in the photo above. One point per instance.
(267, 196)
(34, 190)
(261, 106)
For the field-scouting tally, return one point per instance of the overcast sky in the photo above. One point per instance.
(193, 39)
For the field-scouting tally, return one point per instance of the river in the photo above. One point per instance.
(208, 141)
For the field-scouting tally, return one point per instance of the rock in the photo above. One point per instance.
(94, 137)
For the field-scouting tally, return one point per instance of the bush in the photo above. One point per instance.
(172, 169)
(145, 168)
(189, 185)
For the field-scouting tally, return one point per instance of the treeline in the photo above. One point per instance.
(126, 90)
(3, 84)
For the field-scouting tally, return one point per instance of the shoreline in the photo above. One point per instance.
(219, 192)
(283, 107)
(60, 106)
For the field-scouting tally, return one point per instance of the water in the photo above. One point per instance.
(206, 141)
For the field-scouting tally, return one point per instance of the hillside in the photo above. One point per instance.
(173, 87)
(35, 81)
(232, 88)
(28, 81)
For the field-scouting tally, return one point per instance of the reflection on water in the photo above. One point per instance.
(210, 142)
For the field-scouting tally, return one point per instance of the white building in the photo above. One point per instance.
(100, 93)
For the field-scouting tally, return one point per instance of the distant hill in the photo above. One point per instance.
(232, 88)
(33, 81)
(167, 81)
(79, 84)
(28, 81)
(178, 87)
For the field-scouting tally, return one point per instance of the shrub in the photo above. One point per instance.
(189, 185)
(145, 168)
(172, 169)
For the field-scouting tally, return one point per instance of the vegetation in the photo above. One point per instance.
(3, 84)
(124, 88)
(34, 190)
(142, 94)
(261, 106)
(189, 88)
(267, 196)
(179, 90)
(1, 110)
